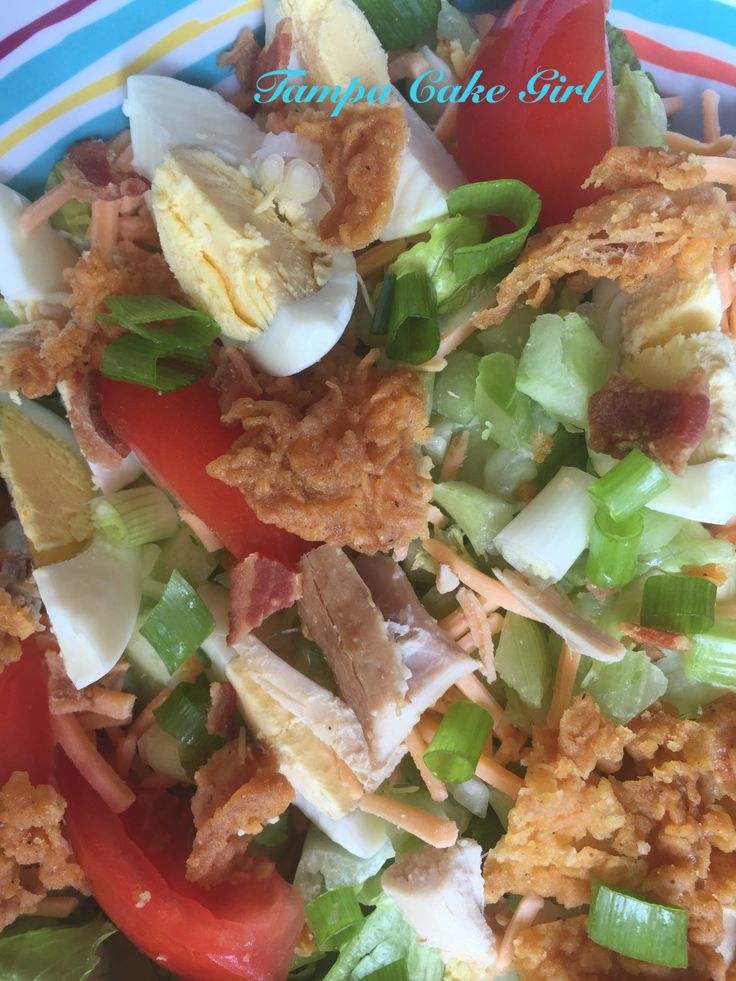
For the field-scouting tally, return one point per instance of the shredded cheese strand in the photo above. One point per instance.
(455, 624)
(417, 748)
(433, 831)
(524, 916)
(488, 769)
(679, 143)
(457, 450)
(47, 205)
(711, 120)
(98, 773)
(103, 226)
(480, 630)
(567, 669)
(720, 170)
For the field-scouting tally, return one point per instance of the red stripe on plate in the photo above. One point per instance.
(63, 12)
(688, 62)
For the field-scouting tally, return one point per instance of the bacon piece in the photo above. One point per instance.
(259, 586)
(221, 716)
(233, 379)
(665, 424)
(97, 440)
(277, 54)
(242, 58)
(663, 639)
(93, 169)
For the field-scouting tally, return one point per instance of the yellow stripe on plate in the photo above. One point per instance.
(175, 39)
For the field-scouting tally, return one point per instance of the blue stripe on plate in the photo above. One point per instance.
(44, 72)
(709, 17)
(32, 179)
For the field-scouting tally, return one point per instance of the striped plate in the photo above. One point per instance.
(63, 65)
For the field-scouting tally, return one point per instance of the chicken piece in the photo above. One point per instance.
(316, 739)
(440, 894)
(331, 454)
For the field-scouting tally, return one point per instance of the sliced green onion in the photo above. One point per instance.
(614, 547)
(7, 317)
(680, 604)
(480, 514)
(333, 917)
(522, 658)
(178, 623)
(384, 303)
(397, 971)
(401, 23)
(712, 656)
(413, 332)
(136, 360)
(135, 517)
(510, 198)
(636, 927)
(631, 484)
(458, 743)
(184, 713)
(132, 311)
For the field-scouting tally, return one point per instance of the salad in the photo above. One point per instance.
(367, 566)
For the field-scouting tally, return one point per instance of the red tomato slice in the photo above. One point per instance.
(175, 435)
(25, 729)
(551, 146)
(134, 864)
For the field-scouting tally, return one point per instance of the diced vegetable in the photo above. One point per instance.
(561, 366)
(65, 953)
(680, 604)
(178, 624)
(456, 747)
(636, 927)
(334, 917)
(621, 53)
(624, 689)
(454, 390)
(505, 412)
(522, 659)
(75, 216)
(553, 530)
(400, 24)
(705, 492)
(712, 657)
(410, 325)
(135, 517)
(614, 545)
(642, 120)
(481, 515)
(325, 865)
(629, 485)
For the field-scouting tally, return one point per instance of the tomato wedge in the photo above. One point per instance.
(176, 435)
(134, 864)
(552, 146)
(25, 729)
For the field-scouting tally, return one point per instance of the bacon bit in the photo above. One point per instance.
(479, 630)
(457, 450)
(673, 104)
(103, 226)
(429, 829)
(659, 638)
(717, 574)
(259, 587)
(46, 206)
(380, 255)
(58, 907)
(711, 121)
(530, 906)
(96, 771)
(417, 748)
(97, 172)
(567, 670)
(277, 54)
(242, 57)
(207, 538)
(669, 425)
(679, 143)
(720, 170)
(221, 716)
(491, 589)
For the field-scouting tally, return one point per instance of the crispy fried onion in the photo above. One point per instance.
(94, 171)
(233, 800)
(330, 454)
(662, 826)
(35, 357)
(361, 160)
(34, 855)
(666, 219)
(17, 622)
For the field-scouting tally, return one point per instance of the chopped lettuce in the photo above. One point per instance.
(522, 659)
(480, 514)
(561, 366)
(642, 120)
(454, 25)
(325, 865)
(509, 417)
(504, 470)
(686, 694)
(53, 953)
(454, 390)
(621, 52)
(435, 259)
(687, 544)
(627, 687)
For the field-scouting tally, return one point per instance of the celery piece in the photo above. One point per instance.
(522, 659)
(562, 365)
(624, 689)
(454, 391)
(480, 515)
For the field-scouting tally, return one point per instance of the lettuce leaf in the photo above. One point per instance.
(642, 120)
(54, 953)
(75, 216)
(621, 52)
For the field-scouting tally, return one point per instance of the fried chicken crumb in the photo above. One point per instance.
(233, 801)
(330, 454)
(361, 157)
(646, 807)
(17, 622)
(34, 855)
